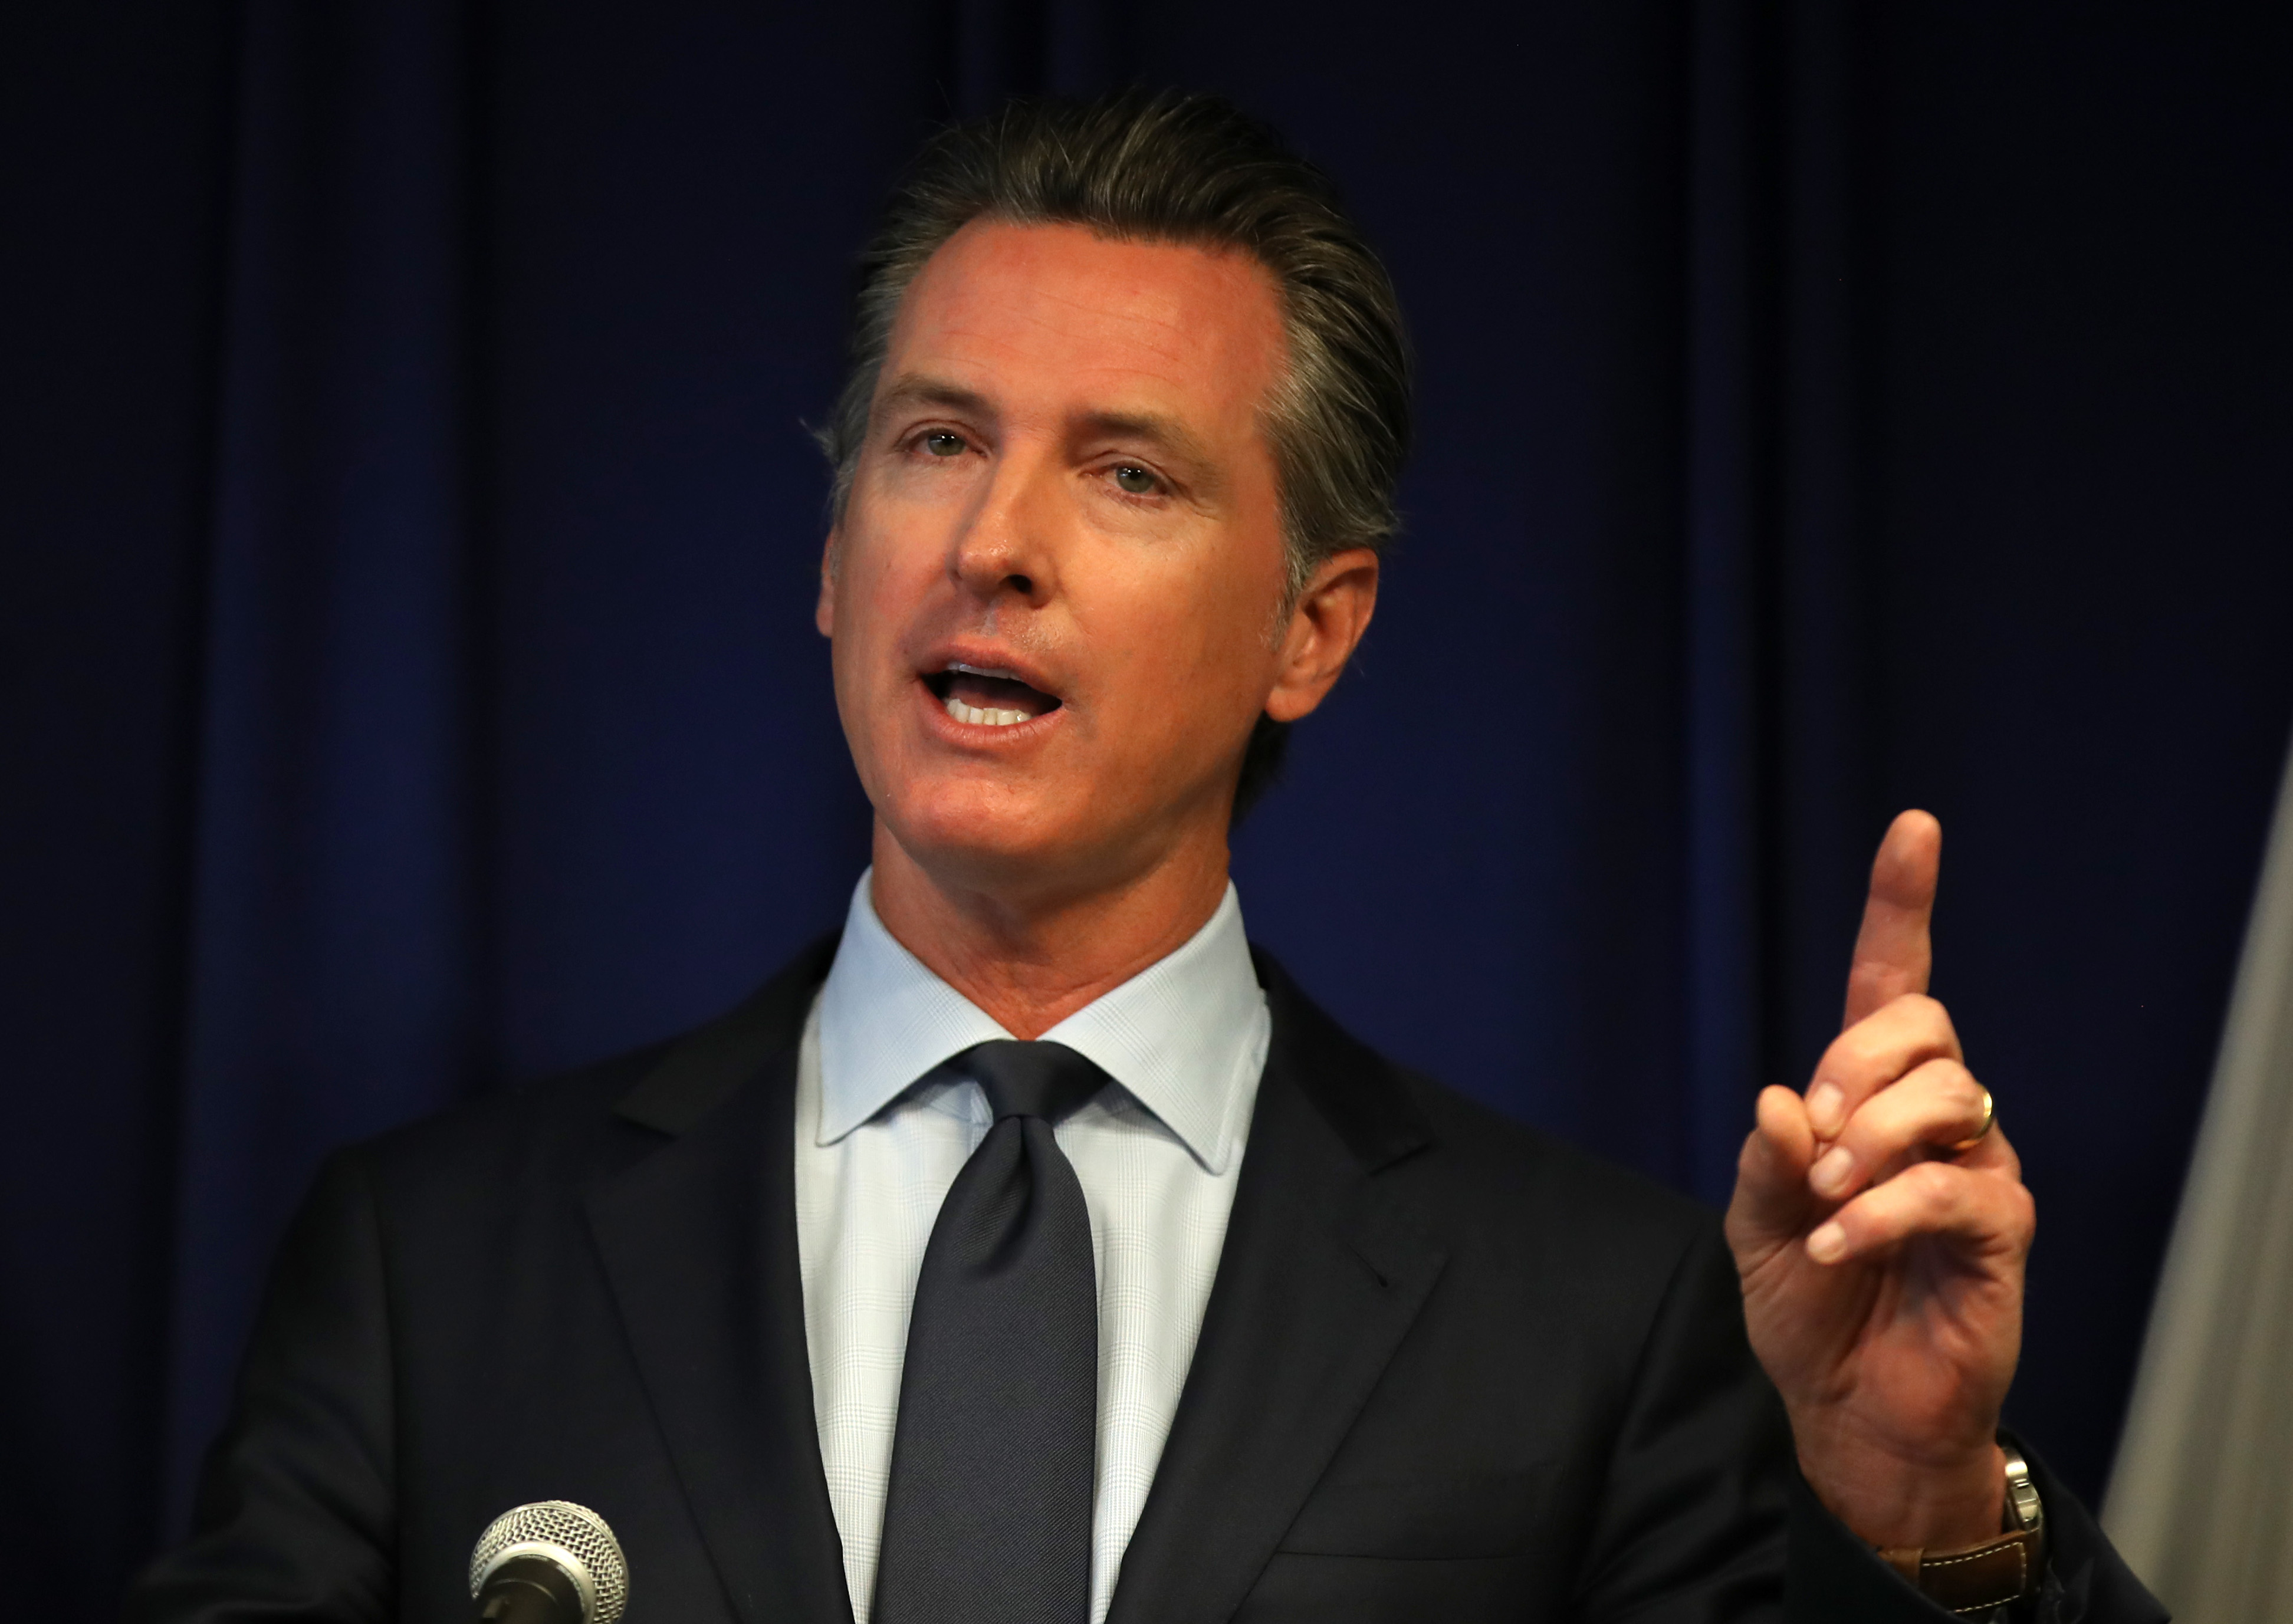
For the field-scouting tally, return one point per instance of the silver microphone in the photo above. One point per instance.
(550, 1562)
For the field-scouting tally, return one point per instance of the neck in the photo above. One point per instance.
(1030, 962)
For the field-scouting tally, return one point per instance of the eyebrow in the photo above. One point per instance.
(1167, 433)
(919, 388)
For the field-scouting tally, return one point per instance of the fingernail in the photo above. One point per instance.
(1831, 1171)
(1827, 1109)
(1827, 1244)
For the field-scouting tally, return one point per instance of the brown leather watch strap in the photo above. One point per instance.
(1977, 1579)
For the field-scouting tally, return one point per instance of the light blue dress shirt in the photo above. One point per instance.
(884, 1124)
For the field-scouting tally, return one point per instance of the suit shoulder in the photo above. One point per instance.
(1547, 1246)
(1509, 1172)
(561, 1131)
(563, 1124)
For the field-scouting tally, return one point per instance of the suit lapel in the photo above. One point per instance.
(698, 1242)
(1322, 1273)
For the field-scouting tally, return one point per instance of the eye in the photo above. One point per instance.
(1135, 481)
(940, 442)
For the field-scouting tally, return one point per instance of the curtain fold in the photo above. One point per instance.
(1782, 713)
(348, 821)
(407, 671)
(336, 984)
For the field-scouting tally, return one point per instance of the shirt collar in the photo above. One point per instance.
(1184, 1037)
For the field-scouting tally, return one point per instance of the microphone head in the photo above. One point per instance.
(574, 1539)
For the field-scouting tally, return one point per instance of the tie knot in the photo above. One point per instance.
(1033, 1079)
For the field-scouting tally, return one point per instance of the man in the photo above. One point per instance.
(1036, 1251)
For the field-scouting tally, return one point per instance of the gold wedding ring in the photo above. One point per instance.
(1989, 1115)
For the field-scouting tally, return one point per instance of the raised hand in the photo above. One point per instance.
(1882, 1253)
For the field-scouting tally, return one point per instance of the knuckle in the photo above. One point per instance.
(1947, 1070)
(1936, 1082)
(1860, 1135)
(1841, 1059)
(1932, 1020)
(2023, 1207)
(1879, 1214)
(1868, 1044)
(1956, 1086)
(1934, 1184)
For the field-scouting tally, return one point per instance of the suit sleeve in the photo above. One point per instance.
(1705, 1520)
(1834, 1575)
(294, 1514)
(1692, 1518)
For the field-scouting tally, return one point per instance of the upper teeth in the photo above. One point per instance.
(982, 718)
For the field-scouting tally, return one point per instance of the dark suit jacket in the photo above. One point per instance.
(1451, 1370)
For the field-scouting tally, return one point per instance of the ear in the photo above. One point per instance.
(1325, 629)
(824, 613)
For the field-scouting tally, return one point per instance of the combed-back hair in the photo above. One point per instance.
(1178, 167)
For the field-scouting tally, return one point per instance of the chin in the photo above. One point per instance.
(981, 835)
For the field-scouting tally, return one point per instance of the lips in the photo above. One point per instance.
(987, 696)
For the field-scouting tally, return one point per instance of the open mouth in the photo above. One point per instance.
(981, 696)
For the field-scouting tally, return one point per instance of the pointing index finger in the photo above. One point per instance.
(1893, 952)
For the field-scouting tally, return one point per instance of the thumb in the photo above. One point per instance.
(1772, 1202)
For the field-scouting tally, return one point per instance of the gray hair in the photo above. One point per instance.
(1192, 169)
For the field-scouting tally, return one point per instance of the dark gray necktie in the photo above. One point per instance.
(987, 1519)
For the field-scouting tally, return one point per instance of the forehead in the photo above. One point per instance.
(1042, 311)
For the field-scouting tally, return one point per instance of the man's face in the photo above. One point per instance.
(1053, 594)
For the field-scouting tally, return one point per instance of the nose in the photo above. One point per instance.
(1007, 544)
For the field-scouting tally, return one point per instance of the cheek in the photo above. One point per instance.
(1199, 669)
(875, 597)
(868, 677)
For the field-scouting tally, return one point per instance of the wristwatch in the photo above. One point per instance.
(1981, 1576)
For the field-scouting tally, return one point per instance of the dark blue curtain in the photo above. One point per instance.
(408, 687)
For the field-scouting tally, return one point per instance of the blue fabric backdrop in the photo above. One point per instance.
(407, 681)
